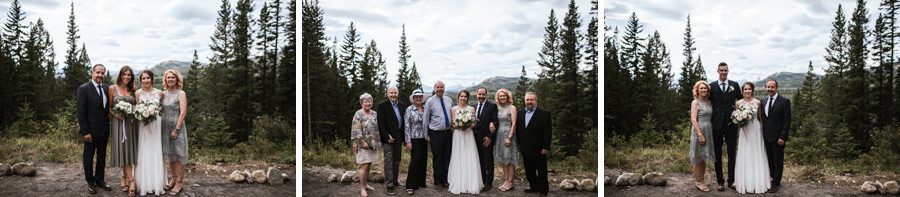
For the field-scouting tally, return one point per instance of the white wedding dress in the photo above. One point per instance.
(149, 173)
(465, 172)
(752, 167)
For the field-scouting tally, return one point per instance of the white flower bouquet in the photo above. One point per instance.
(464, 119)
(123, 108)
(147, 111)
(743, 116)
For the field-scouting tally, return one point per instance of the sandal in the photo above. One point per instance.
(705, 189)
(131, 188)
(177, 187)
(409, 191)
(124, 186)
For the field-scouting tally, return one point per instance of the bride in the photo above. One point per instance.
(465, 173)
(149, 173)
(752, 167)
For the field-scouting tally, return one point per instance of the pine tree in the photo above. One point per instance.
(890, 88)
(14, 32)
(288, 66)
(591, 93)
(193, 77)
(7, 112)
(883, 88)
(805, 99)
(857, 115)
(631, 45)
(548, 60)
(267, 60)
(414, 79)
(33, 70)
(209, 98)
(350, 55)
(568, 123)
(403, 82)
(688, 69)
(76, 73)
(618, 115)
(372, 74)
(833, 81)
(241, 111)
(521, 88)
(326, 104)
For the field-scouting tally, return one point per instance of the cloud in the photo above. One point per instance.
(362, 16)
(187, 11)
(110, 42)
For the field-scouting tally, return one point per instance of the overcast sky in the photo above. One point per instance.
(755, 38)
(135, 33)
(459, 42)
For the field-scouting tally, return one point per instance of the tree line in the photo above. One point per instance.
(336, 75)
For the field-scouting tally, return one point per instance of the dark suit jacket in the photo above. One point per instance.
(483, 126)
(537, 135)
(777, 124)
(723, 103)
(387, 121)
(93, 116)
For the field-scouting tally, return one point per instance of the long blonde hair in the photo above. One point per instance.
(179, 82)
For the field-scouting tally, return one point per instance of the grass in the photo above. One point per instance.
(40, 149)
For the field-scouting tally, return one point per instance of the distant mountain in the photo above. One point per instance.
(492, 84)
(182, 67)
(786, 80)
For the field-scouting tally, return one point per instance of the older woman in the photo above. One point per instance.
(364, 133)
(507, 155)
(174, 138)
(416, 141)
(701, 128)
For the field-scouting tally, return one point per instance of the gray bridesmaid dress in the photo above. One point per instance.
(177, 149)
(124, 136)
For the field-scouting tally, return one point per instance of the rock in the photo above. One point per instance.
(195, 185)
(576, 183)
(655, 179)
(259, 176)
(628, 179)
(588, 185)
(237, 177)
(333, 178)
(247, 176)
(274, 176)
(566, 184)
(607, 180)
(868, 187)
(891, 187)
(5, 169)
(287, 178)
(375, 177)
(24, 169)
(348, 177)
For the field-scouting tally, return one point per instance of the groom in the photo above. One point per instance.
(776, 125)
(93, 119)
(724, 93)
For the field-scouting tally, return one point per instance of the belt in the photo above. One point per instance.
(432, 130)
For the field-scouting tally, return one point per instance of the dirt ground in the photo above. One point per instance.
(682, 184)
(315, 184)
(201, 180)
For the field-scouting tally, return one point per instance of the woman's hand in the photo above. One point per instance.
(408, 146)
(174, 134)
(354, 149)
(507, 142)
(702, 139)
(365, 145)
(120, 117)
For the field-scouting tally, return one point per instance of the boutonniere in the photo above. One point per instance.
(729, 89)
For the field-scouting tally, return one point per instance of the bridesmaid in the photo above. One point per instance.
(174, 140)
(506, 155)
(124, 132)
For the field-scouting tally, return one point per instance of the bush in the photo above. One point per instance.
(209, 131)
(649, 134)
(64, 124)
(272, 139)
(25, 124)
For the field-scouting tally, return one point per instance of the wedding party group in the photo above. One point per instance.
(143, 125)
(466, 141)
(755, 132)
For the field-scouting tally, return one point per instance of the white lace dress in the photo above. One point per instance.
(465, 173)
(149, 174)
(752, 167)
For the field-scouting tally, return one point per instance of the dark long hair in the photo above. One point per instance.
(130, 85)
(148, 73)
(460, 94)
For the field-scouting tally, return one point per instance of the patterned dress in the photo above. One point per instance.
(366, 126)
(704, 119)
(177, 149)
(505, 154)
(124, 136)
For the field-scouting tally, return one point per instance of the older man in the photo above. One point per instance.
(534, 136)
(93, 119)
(391, 113)
(437, 120)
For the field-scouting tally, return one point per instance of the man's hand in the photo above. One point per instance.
(487, 141)
(87, 138)
(544, 152)
(354, 149)
(780, 142)
(390, 139)
(492, 127)
(408, 146)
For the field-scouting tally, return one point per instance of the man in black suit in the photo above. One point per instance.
(486, 113)
(533, 136)
(92, 110)
(776, 126)
(723, 94)
(391, 114)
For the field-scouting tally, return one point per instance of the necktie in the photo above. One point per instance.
(102, 95)
(446, 116)
(722, 87)
(479, 110)
(771, 101)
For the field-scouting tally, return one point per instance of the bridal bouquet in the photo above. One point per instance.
(464, 119)
(123, 108)
(147, 111)
(743, 116)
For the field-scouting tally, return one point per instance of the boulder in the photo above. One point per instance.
(259, 176)
(588, 185)
(566, 184)
(891, 187)
(274, 176)
(868, 187)
(628, 179)
(607, 180)
(24, 169)
(248, 176)
(333, 178)
(655, 179)
(375, 177)
(237, 177)
(348, 177)
(5, 169)
(288, 178)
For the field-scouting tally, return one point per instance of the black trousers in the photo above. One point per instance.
(418, 162)
(775, 154)
(726, 135)
(536, 172)
(486, 159)
(94, 173)
(441, 147)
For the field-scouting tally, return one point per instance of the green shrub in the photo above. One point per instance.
(649, 134)
(25, 124)
(209, 131)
